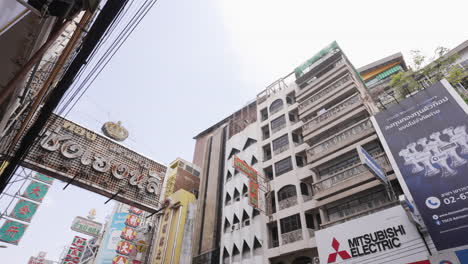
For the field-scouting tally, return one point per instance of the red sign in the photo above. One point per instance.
(79, 242)
(342, 253)
(124, 248)
(128, 233)
(135, 210)
(120, 260)
(246, 169)
(253, 194)
(132, 220)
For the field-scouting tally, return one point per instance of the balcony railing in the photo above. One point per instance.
(292, 236)
(266, 158)
(311, 232)
(364, 211)
(306, 198)
(288, 202)
(330, 143)
(348, 173)
(334, 86)
(278, 128)
(281, 149)
(274, 111)
(274, 243)
(335, 110)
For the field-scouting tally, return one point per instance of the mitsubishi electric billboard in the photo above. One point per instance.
(386, 237)
(426, 139)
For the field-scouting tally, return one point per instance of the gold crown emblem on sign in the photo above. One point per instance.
(115, 131)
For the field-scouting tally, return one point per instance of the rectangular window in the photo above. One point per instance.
(264, 114)
(283, 166)
(290, 223)
(280, 144)
(278, 124)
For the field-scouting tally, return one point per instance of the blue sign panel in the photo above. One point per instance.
(427, 139)
(111, 239)
(372, 164)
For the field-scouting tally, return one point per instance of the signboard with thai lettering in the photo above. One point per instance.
(72, 153)
(253, 194)
(86, 226)
(246, 169)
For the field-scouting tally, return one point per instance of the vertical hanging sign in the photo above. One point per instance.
(12, 231)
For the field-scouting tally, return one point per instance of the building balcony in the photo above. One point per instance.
(347, 136)
(278, 128)
(331, 114)
(274, 243)
(324, 93)
(330, 63)
(363, 211)
(288, 202)
(306, 198)
(336, 182)
(292, 236)
(281, 149)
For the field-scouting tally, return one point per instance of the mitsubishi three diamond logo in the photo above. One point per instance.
(343, 253)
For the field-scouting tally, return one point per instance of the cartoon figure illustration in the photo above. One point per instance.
(410, 160)
(460, 136)
(424, 157)
(438, 155)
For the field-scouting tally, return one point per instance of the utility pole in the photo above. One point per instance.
(104, 20)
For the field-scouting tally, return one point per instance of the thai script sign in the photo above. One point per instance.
(75, 154)
(86, 226)
(426, 138)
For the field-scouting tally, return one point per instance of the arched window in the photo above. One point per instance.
(245, 191)
(225, 256)
(287, 192)
(276, 106)
(302, 260)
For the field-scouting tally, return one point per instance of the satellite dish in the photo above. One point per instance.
(115, 131)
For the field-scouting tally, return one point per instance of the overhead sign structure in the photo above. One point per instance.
(425, 137)
(75, 154)
(86, 226)
(372, 164)
(385, 237)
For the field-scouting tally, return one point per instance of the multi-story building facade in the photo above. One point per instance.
(377, 76)
(181, 174)
(303, 144)
(210, 157)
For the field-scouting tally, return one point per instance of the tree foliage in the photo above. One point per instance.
(424, 70)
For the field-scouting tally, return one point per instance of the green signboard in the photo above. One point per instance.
(24, 210)
(12, 231)
(41, 177)
(36, 191)
(86, 226)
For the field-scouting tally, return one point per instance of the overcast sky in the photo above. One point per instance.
(191, 63)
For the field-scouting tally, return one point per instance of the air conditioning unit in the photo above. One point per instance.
(316, 260)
